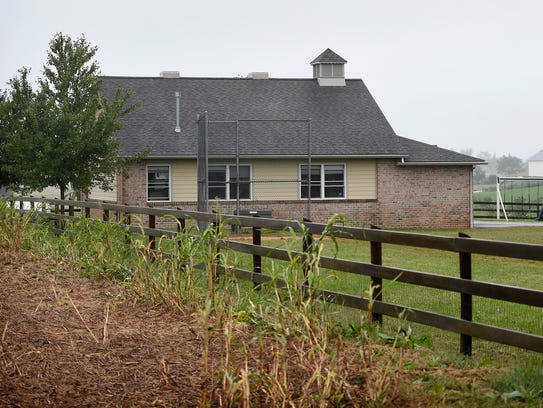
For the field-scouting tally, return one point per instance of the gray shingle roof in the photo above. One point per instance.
(537, 157)
(345, 121)
(328, 57)
(421, 153)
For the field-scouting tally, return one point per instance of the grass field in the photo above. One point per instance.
(507, 271)
(530, 192)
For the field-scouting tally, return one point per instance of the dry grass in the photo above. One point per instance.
(70, 341)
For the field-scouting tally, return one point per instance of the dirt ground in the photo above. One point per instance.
(67, 341)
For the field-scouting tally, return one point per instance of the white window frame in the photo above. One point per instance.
(323, 181)
(227, 181)
(169, 183)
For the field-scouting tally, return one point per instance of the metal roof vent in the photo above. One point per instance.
(258, 75)
(177, 103)
(169, 74)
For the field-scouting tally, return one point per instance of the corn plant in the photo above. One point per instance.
(96, 248)
(18, 229)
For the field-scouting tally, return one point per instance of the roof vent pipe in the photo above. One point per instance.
(177, 127)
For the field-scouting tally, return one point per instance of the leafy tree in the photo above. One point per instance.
(511, 166)
(62, 134)
(479, 175)
(19, 127)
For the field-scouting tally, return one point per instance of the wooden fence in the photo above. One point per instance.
(517, 210)
(463, 245)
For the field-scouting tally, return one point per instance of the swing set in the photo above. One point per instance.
(519, 197)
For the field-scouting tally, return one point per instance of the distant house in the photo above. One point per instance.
(269, 130)
(535, 165)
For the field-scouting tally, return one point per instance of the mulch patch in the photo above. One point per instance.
(68, 341)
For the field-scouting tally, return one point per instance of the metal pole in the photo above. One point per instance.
(497, 198)
(309, 169)
(202, 166)
(237, 168)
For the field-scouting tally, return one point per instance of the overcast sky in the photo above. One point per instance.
(462, 74)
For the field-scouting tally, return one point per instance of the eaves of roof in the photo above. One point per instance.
(440, 163)
(282, 156)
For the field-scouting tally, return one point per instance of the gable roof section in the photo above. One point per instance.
(328, 57)
(423, 154)
(345, 121)
(537, 157)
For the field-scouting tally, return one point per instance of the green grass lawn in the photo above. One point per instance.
(507, 271)
(534, 193)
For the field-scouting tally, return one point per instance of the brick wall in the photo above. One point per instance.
(417, 196)
(424, 196)
(132, 190)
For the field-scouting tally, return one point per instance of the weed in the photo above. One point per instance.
(525, 384)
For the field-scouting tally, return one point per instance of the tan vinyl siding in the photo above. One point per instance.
(275, 170)
(184, 180)
(97, 193)
(361, 180)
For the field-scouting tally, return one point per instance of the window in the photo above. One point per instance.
(223, 183)
(326, 70)
(315, 181)
(327, 180)
(338, 70)
(158, 183)
(332, 70)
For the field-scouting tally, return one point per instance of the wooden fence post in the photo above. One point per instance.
(71, 211)
(128, 222)
(182, 224)
(181, 228)
(376, 254)
(257, 259)
(216, 225)
(127, 217)
(87, 212)
(466, 303)
(57, 220)
(306, 244)
(152, 225)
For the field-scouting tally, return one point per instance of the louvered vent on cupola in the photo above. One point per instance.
(329, 69)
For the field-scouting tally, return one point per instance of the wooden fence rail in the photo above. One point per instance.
(519, 210)
(463, 245)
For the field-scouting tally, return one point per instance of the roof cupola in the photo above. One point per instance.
(329, 69)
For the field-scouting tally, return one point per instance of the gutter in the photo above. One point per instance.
(280, 156)
(414, 164)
